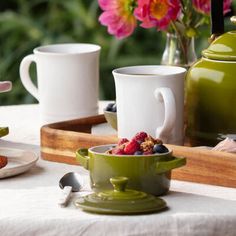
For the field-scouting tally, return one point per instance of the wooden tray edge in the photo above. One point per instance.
(58, 144)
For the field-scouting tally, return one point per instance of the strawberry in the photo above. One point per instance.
(122, 141)
(3, 161)
(118, 151)
(131, 147)
(140, 137)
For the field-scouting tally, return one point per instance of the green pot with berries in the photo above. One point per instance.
(147, 171)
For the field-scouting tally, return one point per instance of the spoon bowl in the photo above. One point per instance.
(71, 179)
(70, 182)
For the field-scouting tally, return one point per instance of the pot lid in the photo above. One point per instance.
(120, 200)
(223, 47)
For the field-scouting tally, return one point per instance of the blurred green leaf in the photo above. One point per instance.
(26, 24)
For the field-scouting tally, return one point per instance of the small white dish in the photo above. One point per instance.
(19, 161)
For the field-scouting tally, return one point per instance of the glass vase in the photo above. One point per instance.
(179, 51)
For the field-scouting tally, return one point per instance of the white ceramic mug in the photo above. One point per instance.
(150, 99)
(68, 79)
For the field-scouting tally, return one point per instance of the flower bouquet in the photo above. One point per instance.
(178, 18)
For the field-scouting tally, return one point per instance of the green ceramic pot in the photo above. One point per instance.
(211, 93)
(149, 173)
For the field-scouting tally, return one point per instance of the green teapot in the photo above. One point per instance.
(211, 87)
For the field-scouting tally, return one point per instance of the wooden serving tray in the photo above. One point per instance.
(59, 141)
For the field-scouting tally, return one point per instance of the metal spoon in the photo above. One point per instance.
(70, 182)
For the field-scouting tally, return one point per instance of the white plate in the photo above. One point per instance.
(19, 161)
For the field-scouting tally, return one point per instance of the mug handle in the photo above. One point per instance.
(25, 77)
(82, 157)
(166, 95)
(164, 166)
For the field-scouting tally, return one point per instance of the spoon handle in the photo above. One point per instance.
(65, 196)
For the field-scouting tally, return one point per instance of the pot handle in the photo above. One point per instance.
(82, 157)
(3, 131)
(164, 166)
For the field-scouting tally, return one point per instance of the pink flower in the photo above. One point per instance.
(118, 17)
(204, 6)
(157, 13)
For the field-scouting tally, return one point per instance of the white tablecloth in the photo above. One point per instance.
(28, 202)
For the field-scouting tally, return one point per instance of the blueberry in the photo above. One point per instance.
(138, 153)
(160, 148)
(109, 107)
(113, 108)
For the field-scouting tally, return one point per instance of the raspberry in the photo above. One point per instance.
(122, 141)
(131, 147)
(140, 137)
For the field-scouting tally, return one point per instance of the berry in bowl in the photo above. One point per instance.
(140, 144)
(144, 160)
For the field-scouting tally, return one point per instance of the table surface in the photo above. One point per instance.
(28, 202)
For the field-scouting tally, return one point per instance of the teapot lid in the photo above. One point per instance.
(223, 47)
(120, 201)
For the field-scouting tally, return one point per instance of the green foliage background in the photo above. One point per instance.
(26, 24)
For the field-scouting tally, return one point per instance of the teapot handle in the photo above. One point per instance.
(217, 18)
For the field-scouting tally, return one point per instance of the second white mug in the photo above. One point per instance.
(150, 99)
(68, 78)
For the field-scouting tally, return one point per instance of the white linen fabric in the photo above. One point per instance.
(29, 202)
(36, 212)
